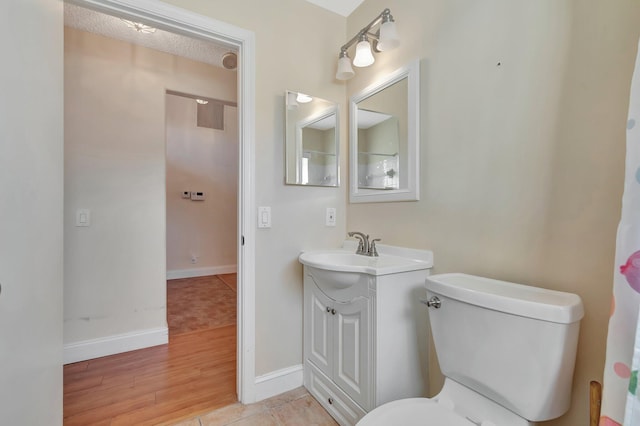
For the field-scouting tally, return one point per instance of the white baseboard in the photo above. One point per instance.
(201, 272)
(277, 382)
(110, 345)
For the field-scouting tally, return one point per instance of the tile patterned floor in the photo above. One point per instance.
(201, 303)
(294, 408)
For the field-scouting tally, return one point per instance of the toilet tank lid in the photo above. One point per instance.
(503, 296)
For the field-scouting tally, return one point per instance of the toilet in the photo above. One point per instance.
(507, 352)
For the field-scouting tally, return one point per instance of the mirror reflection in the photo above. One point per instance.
(384, 139)
(311, 140)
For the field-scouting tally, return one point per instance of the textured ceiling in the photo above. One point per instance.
(175, 44)
(341, 7)
(110, 26)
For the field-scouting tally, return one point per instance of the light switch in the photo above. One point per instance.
(83, 217)
(264, 217)
(197, 196)
(331, 216)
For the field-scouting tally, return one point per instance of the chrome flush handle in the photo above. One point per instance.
(434, 302)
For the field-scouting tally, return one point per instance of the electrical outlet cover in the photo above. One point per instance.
(331, 216)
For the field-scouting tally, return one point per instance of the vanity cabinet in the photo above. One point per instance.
(339, 341)
(365, 338)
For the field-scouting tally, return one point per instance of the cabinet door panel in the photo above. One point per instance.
(320, 332)
(351, 350)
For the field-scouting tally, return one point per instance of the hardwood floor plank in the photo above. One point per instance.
(76, 366)
(106, 412)
(84, 383)
(193, 374)
(171, 413)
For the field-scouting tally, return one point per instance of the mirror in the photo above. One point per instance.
(384, 139)
(311, 141)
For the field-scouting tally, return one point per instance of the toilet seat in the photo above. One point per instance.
(414, 412)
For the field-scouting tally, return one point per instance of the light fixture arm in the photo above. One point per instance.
(384, 15)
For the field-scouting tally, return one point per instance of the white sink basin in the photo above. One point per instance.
(342, 268)
(346, 261)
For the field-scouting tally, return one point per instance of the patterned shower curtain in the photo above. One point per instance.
(621, 393)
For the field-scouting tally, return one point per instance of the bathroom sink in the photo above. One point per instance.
(346, 261)
(341, 268)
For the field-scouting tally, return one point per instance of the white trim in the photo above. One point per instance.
(201, 272)
(172, 18)
(280, 381)
(247, 224)
(96, 348)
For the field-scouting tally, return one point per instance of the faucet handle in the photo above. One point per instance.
(372, 247)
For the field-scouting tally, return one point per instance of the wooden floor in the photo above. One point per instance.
(195, 373)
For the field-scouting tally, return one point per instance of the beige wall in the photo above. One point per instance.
(31, 188)
(296, 48)
(201, 159)
(522, 162)
(115, 270)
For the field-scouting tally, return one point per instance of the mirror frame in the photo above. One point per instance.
(298, 143)
(412, 191)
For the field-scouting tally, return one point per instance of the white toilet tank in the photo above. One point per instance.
(512, 343)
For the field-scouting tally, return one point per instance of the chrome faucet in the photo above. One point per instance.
(364, 247)
(372, 247)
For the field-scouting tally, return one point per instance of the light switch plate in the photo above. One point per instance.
(197, 196)
(264, 217)
(331, 216)
(83, 217)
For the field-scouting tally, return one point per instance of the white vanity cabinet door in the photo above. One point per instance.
(318, 336)
(352, 360)
(337, 341)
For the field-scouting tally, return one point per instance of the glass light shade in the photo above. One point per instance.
(364, 56)
(388, 36)
(345, 72)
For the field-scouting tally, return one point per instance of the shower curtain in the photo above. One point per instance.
(621, 393)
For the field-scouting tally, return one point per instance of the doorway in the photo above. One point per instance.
(201, 203)
(187, 23)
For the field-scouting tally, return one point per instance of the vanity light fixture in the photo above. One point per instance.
(139, 27)
(202, 101)
(385, 38)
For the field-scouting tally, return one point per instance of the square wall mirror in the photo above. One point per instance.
(384, 144)
(311, 140)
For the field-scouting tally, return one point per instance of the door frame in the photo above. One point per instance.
(181, 21)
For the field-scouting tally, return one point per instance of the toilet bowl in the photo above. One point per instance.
(414, 411)
(507, 352)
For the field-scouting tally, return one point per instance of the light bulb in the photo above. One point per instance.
(303, 99)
